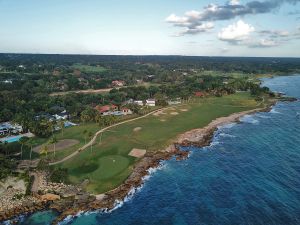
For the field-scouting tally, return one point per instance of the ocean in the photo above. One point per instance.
(250, 174)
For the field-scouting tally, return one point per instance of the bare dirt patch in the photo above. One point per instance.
(174, 113)
(163, 120)
(60, 145)
(137, 129)
(137, 153)
(158, 113)
(184, 110)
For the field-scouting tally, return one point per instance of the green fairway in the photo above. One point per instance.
(155, 133)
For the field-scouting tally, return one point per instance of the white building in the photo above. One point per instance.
(139, 102)
(150, 102)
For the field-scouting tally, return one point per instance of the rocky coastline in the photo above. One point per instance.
(79, 201)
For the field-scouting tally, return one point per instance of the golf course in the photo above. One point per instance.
(107, 163)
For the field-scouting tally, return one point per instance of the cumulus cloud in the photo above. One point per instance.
(230, 10)
(236, 32)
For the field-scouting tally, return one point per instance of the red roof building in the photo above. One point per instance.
(199, 94)
(106, 108)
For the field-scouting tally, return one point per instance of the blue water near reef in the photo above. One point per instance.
(249, 175)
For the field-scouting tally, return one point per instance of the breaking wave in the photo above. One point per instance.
(249, 119)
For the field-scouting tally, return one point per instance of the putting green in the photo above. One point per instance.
(110, 166)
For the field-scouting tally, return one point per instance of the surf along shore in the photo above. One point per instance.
(87, 202)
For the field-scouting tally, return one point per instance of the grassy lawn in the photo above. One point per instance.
(89, 69)
(108, 164)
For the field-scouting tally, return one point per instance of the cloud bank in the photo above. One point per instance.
(195, 22)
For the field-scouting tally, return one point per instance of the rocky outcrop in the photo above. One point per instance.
(73, 199)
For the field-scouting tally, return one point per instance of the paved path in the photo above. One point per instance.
(91, 142)
(36, 182)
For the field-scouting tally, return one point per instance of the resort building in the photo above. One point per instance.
(150, 102)
(106, 109)
(126, 111)
(9, 128)
(139, 102)
(62, 116)
(174, 102)
(118, 83)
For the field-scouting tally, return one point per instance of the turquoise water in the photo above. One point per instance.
(250, 175)
(11, 139)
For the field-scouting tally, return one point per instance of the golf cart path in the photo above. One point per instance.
(91, 142)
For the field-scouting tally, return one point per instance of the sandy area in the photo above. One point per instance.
(137, 129)
(184, 110)
(138, 153)
(60, 145)
(158, 113)
(174, 113)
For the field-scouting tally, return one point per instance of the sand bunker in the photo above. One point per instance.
(137, 129)
(137, 153)
(158, 113)
(174, 113)
(60, 145)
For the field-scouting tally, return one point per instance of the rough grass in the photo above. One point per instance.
(155, 135)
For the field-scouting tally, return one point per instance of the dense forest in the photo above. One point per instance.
(27, 80)
(28, 83)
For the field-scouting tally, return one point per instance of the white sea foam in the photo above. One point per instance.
(66, 220)
(249, 119)
(263, 116)
(227, 126)
(274, 111)
(227, 135)
(118, 203)
(133, 191)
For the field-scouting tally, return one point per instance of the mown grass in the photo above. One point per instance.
(111, 150)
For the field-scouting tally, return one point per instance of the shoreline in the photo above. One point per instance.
(199, 137)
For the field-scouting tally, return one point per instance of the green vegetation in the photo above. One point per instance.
(109, 164)
(27, 81)
(89, 68)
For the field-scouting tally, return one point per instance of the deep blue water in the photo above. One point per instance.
(249, 175)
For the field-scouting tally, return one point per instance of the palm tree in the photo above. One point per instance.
(53, 141)
(90, 135)
(44, 150)
(30, 144)
(23, 141)
(84, 134)
(62, 126)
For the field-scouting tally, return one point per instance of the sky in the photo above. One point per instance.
(156, 27)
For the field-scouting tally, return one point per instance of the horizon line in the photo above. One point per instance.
(145, 55)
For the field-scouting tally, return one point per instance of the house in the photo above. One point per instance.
(106, 109)
(199, 94)
(7, 128)
(174, 101)
(139, 102)
(61, 116)
(126, 111)
(150, 102)
(118, 83)
(129, 101)
(45, 116)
